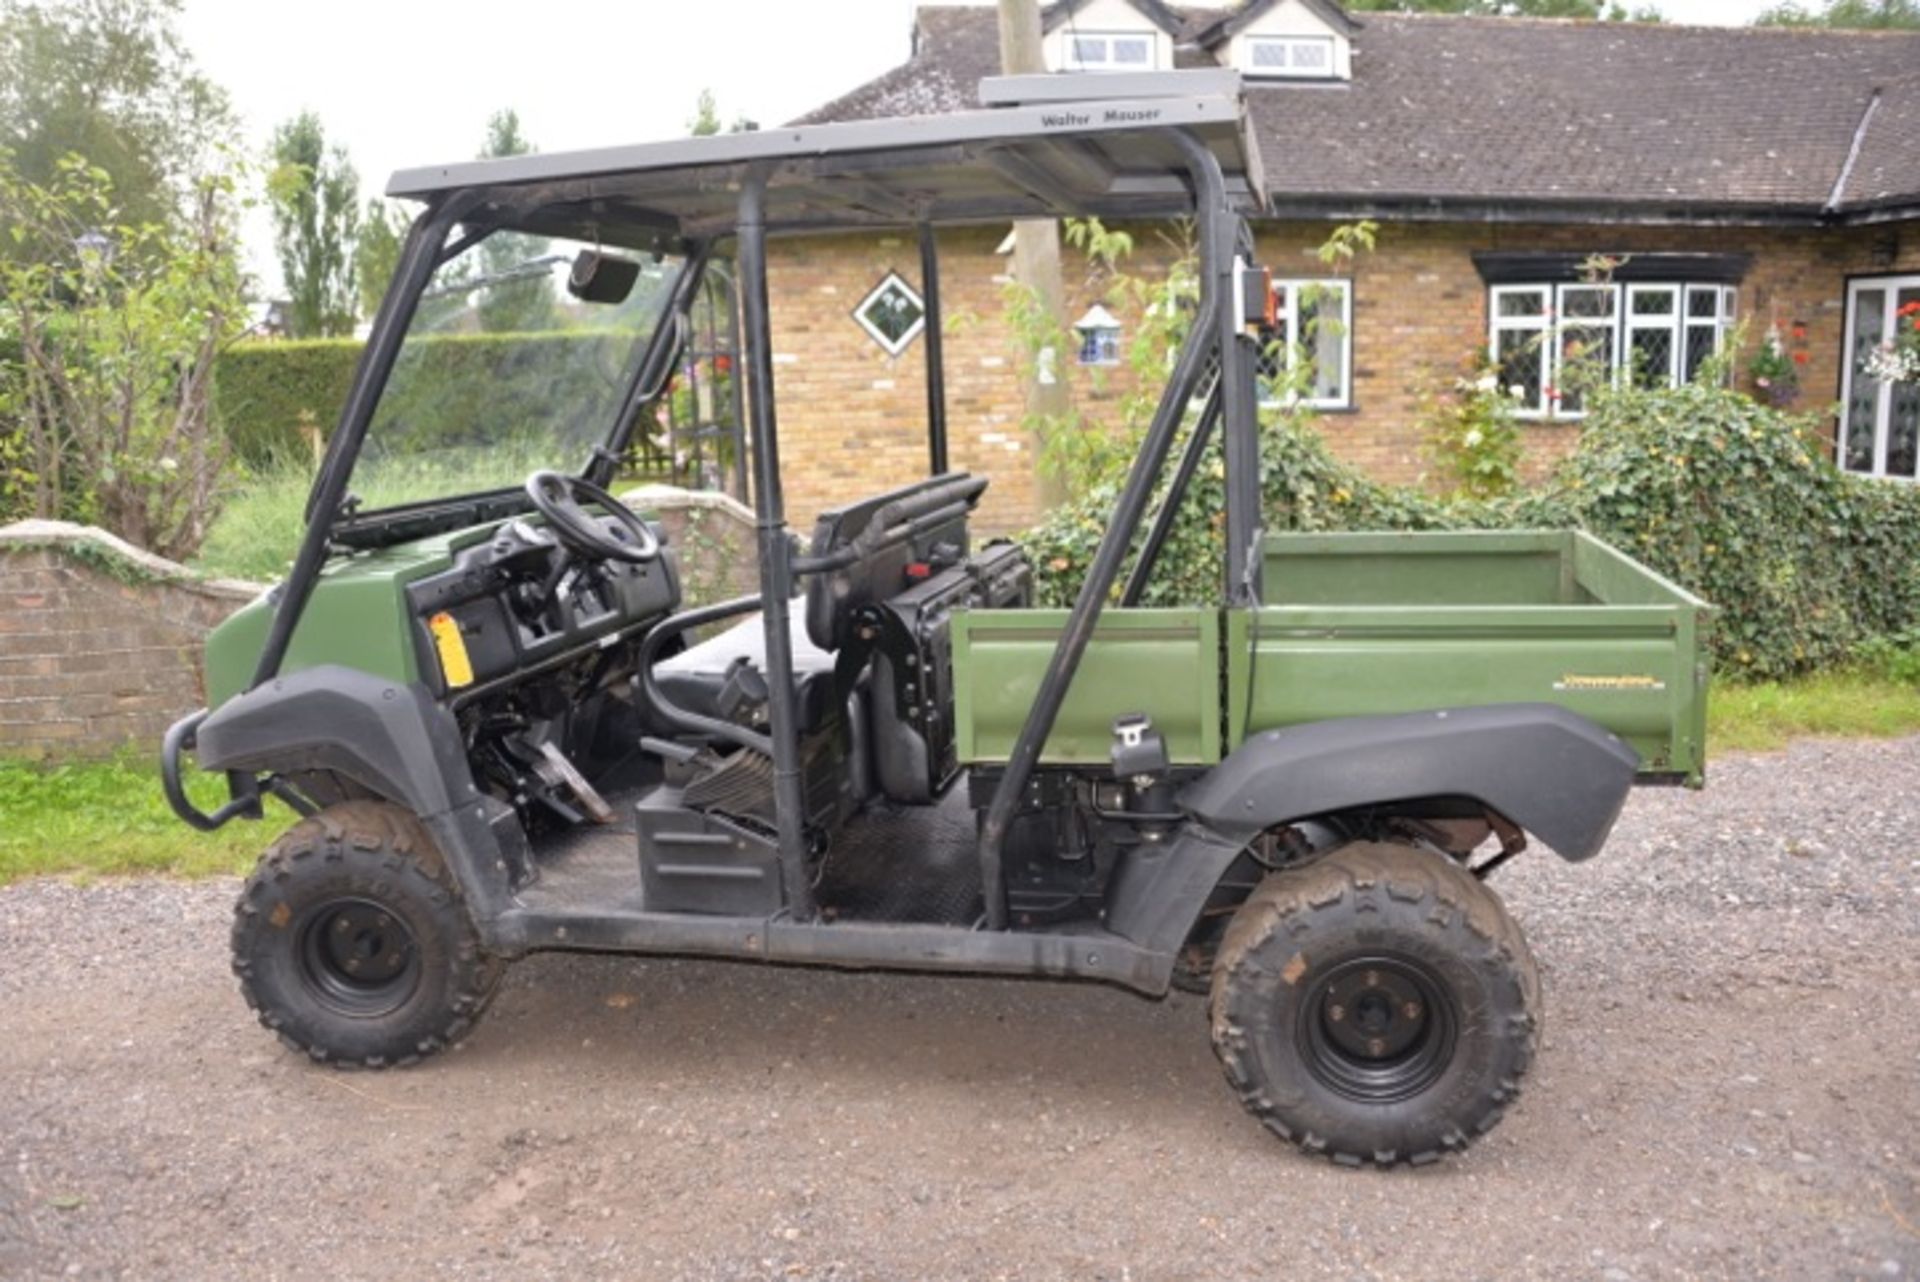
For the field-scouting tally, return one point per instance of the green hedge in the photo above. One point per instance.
(1737, 501)
(459, 388)
(263, 392)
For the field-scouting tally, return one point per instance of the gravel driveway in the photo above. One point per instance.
(1730, 1088)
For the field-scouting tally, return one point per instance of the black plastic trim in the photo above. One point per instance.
(1554, 773)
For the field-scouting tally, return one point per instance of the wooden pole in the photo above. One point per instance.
(1036, 248)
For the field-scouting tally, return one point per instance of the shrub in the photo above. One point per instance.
(1735, 500)
(1304, 487)
(105, 412)
(1739, 502)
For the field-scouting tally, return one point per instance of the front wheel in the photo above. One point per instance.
(1377, 1005)
(352, 943)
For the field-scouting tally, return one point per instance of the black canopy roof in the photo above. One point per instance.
(1042, 154)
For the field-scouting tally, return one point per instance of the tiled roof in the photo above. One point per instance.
(1451, 113)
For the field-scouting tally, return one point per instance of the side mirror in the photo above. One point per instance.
(601, 278)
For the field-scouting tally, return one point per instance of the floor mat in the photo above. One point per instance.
(905, 863)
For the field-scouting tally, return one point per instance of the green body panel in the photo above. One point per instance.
(1165, 663)
(1374, 624)
(357, 618)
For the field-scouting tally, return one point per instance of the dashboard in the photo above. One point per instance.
(519, 599)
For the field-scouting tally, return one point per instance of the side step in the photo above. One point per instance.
(1089, 954)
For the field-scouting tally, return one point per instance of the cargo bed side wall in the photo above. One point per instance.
(1163, 662)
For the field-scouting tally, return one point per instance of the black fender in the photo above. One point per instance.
(390, 737)
(1552, 772)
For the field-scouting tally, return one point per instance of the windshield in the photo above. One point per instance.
(504, 370)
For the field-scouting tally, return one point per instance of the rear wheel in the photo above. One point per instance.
(1377, 1005)
(351, 942)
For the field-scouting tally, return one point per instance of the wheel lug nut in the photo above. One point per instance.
(1411, 1010)
(340, 924)
(353, 964)
(1376, 1047)
(1337, 1013)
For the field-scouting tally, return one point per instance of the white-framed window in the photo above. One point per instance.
(1519, 318)
(1109, 51)
(1314, 324)
(1305, 56)
(1879, 421)
(1657, 333)
(893, 314)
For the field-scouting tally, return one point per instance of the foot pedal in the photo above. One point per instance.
(741, 784)
(557, 772)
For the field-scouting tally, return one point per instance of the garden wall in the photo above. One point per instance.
(100, 642)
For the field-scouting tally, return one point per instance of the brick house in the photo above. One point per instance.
(1747, 180)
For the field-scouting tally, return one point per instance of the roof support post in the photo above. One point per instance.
(1239, 413)
(935, 350)
(1212, 320)
(419, 255)
(776, 550)
(1142, 572)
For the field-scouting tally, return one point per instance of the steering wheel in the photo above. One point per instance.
(559, 498)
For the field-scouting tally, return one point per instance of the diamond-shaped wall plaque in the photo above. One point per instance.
(892, 314)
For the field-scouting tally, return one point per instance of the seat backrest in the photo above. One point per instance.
(879, 569)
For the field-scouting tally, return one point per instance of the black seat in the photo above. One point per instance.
(694, 677)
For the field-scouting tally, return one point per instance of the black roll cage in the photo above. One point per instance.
(1218, 342)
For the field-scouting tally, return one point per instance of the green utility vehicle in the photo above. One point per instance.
(506, 731)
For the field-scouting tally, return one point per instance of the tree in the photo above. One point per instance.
(1867, 15)
(315, 196)
(109, 80)
(512, 302)
(117, 327)
(383, 230)
(706, 118)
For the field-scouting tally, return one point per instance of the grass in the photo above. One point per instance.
(259, 526)
(1849, 704)
(109, 818)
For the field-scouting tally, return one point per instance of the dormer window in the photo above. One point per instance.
(1109, 51)
(1286, 40)
(1302, 56)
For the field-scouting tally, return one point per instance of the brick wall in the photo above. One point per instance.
(99, 642)
(852, 419)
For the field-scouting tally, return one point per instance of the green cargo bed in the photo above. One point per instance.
(1365, 625)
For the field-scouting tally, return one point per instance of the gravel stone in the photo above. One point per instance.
(1729, 1088)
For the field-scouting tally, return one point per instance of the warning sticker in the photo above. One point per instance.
(454, 661)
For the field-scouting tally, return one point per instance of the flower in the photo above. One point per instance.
(1799, 358)
(1487, 382)
(1519, 391)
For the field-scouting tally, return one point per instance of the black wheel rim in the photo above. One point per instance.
(358, 957)
(1378, 1029)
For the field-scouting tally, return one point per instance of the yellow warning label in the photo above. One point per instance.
(1574, 681)
(453, 649)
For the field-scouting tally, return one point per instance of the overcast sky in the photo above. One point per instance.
(404, 82)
